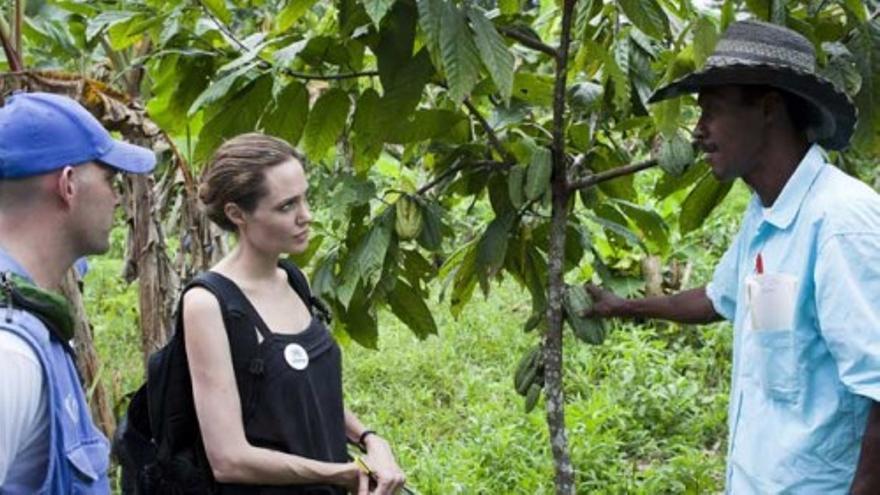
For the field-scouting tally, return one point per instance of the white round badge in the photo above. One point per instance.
(296, 356)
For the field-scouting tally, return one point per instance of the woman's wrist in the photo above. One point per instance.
(344, 474)
(365, 436)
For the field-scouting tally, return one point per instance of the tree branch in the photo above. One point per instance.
(17, 20)
(490, 132)
(268, 65)
(593, 179)
(459, 166)
(11, 55)
(527, 41)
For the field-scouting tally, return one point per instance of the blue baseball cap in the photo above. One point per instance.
(42, 132)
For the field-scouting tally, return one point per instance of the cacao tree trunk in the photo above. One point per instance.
(553, 337)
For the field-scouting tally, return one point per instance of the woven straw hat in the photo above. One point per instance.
(759, 53)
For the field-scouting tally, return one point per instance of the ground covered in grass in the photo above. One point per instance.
(645, 411)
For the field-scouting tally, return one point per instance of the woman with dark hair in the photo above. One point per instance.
(293, 439)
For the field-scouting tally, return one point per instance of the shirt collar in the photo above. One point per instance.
(9, 264)
(789, 202)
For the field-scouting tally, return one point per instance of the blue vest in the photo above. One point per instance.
(79, 454)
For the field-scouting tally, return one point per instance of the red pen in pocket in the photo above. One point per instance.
(759, 264)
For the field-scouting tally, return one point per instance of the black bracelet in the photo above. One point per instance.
(364, 436)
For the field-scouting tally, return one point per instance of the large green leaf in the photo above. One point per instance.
(761, 8)
(616, 227)
(461, 61)
(288, 115)
(292, 11)
(865, 47)
(404, 90)
(430, 18)
(602, 159)
(705, 38)
(704, 197)
(646, 15)
(223, 87)
(364, 265)
(324, 277)
(177, 82)
(360, 321)
(669, 184)
(649, 222)
(368, 128)
(106, 20)
(493, 247)
(421, 125)
(395, 47)
(377, 9)
(536, 89)
(219, 9)
(326, 121)
(493, 51)
(431, 237)
(240, 114)
(465, 280)
(407, 305)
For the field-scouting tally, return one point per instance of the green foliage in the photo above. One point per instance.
(647, 15)
(325, 124)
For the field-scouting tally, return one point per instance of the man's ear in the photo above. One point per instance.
(773, 106)
(66, 185)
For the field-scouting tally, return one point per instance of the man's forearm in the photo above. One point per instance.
(867, 478)
(690, 306)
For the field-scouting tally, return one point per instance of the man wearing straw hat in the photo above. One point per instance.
(801, 280)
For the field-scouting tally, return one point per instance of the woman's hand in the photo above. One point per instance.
(354, 479)
(388, 475)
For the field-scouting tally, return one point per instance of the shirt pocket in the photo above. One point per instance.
(90, 462)
(776, 365)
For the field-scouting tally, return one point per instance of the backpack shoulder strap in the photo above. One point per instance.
(240, 319)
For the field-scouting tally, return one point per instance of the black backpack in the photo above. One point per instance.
(157, 442)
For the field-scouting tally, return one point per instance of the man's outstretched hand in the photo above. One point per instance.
(606, 304)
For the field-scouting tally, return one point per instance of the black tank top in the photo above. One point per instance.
(296, 405)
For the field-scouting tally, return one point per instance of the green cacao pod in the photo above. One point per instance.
(576, 301)
(515, 185)
(408, 221)
(532, 396)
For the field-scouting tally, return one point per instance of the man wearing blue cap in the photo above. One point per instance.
(57, 199)
(801, 281)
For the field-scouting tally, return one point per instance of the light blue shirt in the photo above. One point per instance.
(800, 396)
